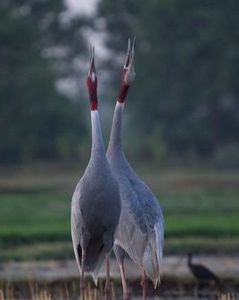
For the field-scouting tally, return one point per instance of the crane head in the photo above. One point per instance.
(128, 73)
(91, 81)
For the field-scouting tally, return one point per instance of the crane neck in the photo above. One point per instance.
(97, 148)
(116, 129)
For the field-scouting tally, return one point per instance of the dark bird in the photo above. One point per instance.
(202, 273)
(96, 203)
(140, 233)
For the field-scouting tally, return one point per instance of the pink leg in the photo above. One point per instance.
(107, 282)
(144, 284)
(82, 277)
(123, 280)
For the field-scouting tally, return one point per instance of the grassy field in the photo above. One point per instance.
(201, 210)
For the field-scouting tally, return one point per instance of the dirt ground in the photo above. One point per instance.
(174, 267)
(177, 280)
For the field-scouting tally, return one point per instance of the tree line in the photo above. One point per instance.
(184, 104)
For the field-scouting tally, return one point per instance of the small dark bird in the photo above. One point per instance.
(201, 273)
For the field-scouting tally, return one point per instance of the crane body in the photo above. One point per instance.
(140, 230)
(141, 227)
(96, 201)
(92, 225)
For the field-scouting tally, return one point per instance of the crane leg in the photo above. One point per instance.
(107, 282)
(82, 277)
(144, 284)
(123, 280)
(120, 255)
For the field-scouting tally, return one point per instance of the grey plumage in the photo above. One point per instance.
(141, 227)
(140, 232)
(95, 203)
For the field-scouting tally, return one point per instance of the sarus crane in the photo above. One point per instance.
(140, 233)
(96, 203)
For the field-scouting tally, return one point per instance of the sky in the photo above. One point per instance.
(81, 7)
(88, 7)
(95, 37)
(69, 86)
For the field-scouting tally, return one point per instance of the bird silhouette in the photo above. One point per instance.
(140, 233)
(96, 203)
(201, 273)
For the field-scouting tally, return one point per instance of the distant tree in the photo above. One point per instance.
(36, 50)
(187, 61)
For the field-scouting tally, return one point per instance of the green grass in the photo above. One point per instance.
(34, 207)
(197, 225)
(200, 200)
(38, 250)
(176, 245)
(201, 211)
(206, 225)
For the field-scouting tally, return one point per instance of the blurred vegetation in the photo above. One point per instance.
(201, 211)
(183, 106)
(187, 61)
(36, 121)
(182, 109)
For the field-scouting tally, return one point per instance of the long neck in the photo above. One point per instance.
(97, 148)
(116, 129)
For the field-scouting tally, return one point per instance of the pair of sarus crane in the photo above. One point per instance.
(111, 206)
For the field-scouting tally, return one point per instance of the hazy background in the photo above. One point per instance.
(182, 108)
(181, 125)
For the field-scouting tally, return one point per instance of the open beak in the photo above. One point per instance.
(129, 63)
(130, 54)
(92, 71)
(128, 73)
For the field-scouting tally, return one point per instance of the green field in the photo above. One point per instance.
(201, 211)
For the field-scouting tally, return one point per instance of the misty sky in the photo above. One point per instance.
(81, 6)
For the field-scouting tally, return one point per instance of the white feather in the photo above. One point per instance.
(152, 259)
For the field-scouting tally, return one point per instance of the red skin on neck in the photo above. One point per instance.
(93, 105)
(92, 89)
(123, 93)
(123, 89)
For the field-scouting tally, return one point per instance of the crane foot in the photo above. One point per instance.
(108, 295)
(143, 284)
(126, 297)
(82, 289)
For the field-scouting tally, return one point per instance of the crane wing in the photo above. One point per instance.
(141, 230)
(76, 222)
(152, 259)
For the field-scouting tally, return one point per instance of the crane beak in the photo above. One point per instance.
(129, 63)
(133, 50)
(92, 81)
(92, 70)
(128, 73)
(128, 54)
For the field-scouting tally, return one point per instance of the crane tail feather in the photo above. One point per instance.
(159, 232)
(152, 259)
(95, 277)
(95, 272)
